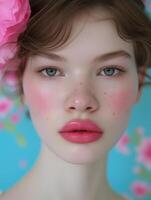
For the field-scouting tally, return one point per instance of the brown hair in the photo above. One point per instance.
(51, 21)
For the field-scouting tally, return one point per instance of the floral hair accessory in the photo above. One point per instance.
(14, 15)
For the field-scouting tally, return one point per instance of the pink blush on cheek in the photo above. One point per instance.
(120, 102)
(39, 103)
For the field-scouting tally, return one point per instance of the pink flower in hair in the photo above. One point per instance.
(14, 15)
(5, 106)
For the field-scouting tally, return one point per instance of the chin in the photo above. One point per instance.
(79, 157)
(84, 161)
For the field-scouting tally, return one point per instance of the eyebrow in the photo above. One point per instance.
(53, 56)
(99, 58)
(111, 55)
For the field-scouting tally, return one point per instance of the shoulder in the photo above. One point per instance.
(2, 195)
(22, 190)
(13, 193)
(5, 196)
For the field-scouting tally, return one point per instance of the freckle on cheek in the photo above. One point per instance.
(113, 113)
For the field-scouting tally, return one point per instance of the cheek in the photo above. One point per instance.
(39, 101)
(121, 101)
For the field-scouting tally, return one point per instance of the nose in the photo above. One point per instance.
(81, 101)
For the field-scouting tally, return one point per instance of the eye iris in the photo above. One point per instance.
(109, 71)
(51, 71)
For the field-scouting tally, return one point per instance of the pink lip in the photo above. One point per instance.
(81, 131)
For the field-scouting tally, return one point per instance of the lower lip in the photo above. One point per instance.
(81, 137)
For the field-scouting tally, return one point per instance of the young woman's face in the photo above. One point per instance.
(96, 70)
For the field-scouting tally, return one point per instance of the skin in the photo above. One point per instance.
(79, 83)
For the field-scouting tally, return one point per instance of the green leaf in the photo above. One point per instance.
(21, 140)
(145, 174)
(9, 126)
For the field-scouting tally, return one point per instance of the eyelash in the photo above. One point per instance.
(114, 67)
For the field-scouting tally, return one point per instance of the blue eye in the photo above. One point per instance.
(106, 71)
(49, 71)
(111, 71)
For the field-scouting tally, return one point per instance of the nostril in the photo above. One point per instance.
(72, 108)
(89, 108)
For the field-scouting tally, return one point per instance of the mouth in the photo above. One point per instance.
(81, 125)
(81, 131)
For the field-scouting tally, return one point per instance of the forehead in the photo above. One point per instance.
(94, 31)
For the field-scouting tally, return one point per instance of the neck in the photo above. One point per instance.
(58, 179)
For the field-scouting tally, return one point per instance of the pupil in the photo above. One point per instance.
(51, 71)
(109, 71)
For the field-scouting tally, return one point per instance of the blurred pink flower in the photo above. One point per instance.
(5, 106)
(23, 164)
(122, 144)
(11, 79)
(15, 118)
(14, 15)
(144, 152)
(7, 52)
(140, 189)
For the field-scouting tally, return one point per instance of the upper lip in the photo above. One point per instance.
(78, 124)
